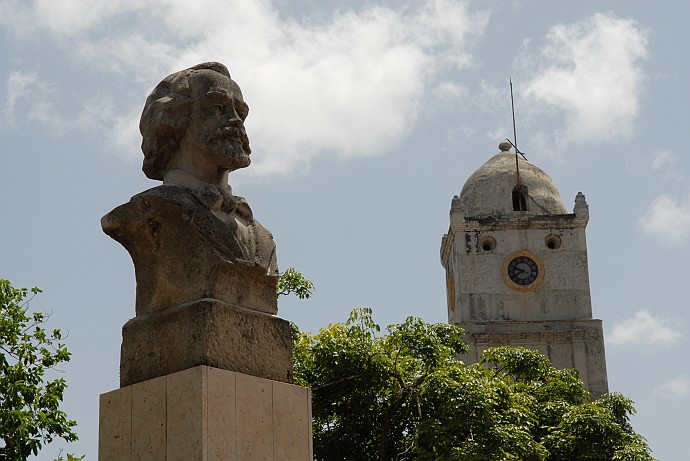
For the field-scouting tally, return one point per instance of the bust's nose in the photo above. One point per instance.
(233, 117)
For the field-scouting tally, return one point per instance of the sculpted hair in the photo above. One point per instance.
(166, 117)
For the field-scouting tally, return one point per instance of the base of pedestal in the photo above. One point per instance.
(208, 414)
(205, 332)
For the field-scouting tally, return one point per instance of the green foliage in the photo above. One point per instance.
(30, 414)
(70, 457)
(366, 387)
(598, 430)
(292, 281)
(403, 395)
(521, 364)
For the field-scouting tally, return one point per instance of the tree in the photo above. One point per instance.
(403, 395)
(292, 281)
(30, 414)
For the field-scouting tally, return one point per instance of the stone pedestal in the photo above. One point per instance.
(208, 414)
(205, 332)
(206, 366)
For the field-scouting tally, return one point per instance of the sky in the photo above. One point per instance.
(366, 119)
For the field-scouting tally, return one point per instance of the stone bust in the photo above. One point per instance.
(191, 238)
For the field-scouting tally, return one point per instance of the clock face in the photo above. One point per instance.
(523, 271)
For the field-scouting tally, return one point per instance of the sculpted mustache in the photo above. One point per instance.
(230, 132)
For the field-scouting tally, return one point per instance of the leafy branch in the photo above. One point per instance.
(292, 281)
(30, 414)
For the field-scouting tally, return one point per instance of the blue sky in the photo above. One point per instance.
(365, 120)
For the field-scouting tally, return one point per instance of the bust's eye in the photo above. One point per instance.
(217, 109)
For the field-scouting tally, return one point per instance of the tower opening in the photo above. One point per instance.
(553, 241)
(520, 198)
(488, 243)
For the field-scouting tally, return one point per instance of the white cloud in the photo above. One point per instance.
(125, 135)
(450, 91)
(676, 388)
(31, 99)
(348, 85)
(134, 57)
(662, 159)
(26, 86)
(664, 162)
(643, 328)
(65, 18)
(659, 164)
(667, 217)
(590, 72)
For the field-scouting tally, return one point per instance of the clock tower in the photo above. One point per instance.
(516, 268)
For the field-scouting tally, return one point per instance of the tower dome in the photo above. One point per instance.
(493, 190)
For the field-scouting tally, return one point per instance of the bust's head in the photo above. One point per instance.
(196, 113)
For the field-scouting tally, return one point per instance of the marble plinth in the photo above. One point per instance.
(208, 414)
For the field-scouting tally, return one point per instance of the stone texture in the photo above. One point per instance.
(485, 297)
(186, 418)
(205, 355)
(554, 313)
(255, 410)
(191, 238)
(488, 192)
(206, 270)
(567, 344)
(210, 415)
(206, 332)
(291, 407)
(222, 399)
(115, 425)
(183, 252)
(148, 411)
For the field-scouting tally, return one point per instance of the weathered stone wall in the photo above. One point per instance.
(517, 270)
(567, 344)
(483, 296)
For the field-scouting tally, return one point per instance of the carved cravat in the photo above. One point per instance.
(214, 198)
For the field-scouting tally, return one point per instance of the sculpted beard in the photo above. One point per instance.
(231, 142)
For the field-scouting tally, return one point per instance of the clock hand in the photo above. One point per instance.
(524, 269)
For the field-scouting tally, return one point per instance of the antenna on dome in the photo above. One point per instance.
(520, 191)
(512, 106)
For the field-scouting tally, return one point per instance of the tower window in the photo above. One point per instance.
(488, 243)
(553, 241)
(520, 198)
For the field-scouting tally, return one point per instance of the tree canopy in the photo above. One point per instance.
(293, 282)
(403, 395)
(30, 414)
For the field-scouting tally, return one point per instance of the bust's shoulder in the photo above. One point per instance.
(164, 196)
(165, 216)
(166, 193)
(172, 201)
